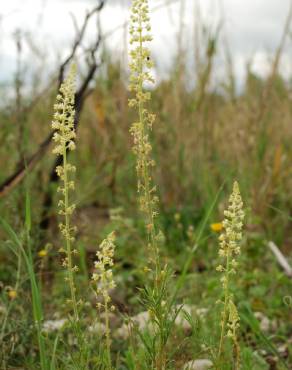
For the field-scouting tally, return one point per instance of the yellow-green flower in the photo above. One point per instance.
(140, 67)
(42, 253)
(229, 250)
(103, 275)
(63, 123)
(64, 138)
(12, 294)
(104, 283)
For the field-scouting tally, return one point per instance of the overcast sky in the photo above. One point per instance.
(253, 29)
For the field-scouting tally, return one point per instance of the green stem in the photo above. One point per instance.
(237, 352)
(107, 335)
(225, 309)
(67, 236)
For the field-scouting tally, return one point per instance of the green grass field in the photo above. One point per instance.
(154, 299)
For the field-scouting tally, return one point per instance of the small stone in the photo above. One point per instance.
(283, 350)
(97, 328)
(142, 320)
(200, 364)
(53, 325)
(266, 325)
(192, 311)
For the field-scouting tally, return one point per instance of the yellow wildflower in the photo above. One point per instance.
(12, 294)
(42, 253)
(217, 227)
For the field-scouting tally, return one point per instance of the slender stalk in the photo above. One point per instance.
(140, 66)
(107, 334)
(68, 239)
(64, 138)
(225, 307)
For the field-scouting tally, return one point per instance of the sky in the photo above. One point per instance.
(252, 29)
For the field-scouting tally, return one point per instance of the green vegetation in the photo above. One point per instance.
(176, 279)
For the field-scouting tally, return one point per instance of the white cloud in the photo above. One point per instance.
(253, 28)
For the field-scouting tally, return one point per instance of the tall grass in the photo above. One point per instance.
(26, 254)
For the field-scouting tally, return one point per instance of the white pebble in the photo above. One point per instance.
(201, 364)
